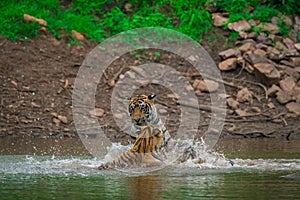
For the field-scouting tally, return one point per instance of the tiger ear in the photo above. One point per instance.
(151, 96)
(128, 98)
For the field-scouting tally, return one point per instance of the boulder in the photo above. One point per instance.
(205, 86)
(273, 53)
(260, 52)
(244, 95)
(292, 72)
(239, 26)
(287, 63)
(263, 39)
(296, 94)
(287, 84)
(283, 97)
(228, 64)
(293, 107)
(229, 53)
(246, 47)
(289, 44)
(297, 46)
(266, 73)
(272, 90)
(252, 35)
(219, 20)
(269, 28)
(280, 46)
(295, 61)
(261, 46)
(232, 103)
(253, 58)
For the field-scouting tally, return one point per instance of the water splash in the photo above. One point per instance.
(203, 161)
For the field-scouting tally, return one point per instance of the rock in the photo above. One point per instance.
(241, 113)
(255, 109)
(232, 103)
(99, 112)
(261, 46)
(273, 53)
(296, 94)
(293, 107)
(43, 30)
(297, 46)
(29, 18)
(241, 42)
(272, 90)
(288, 21)
(253, 58)
(293, 73)
(287, 84)
(268, 27)
(290, 44)
(219, 20)
(287, 63)
(128, 7)
(228, 64)
(205, 86)
(253, 22)
(162, 111)
(63, 119)
(252, 35)
(56, 121)
(243, 35)
(279, 45)
(189, 88)
(246, 47)
(244, 95)
(229, 53)
(283, 97)
(239, 26)
(249, 68)
(77, 35)
(295, 61)
(281, 67)
(35, 105)
(266, 73)
(264, 40)
(260, 52)
(198, 93)
(271, 105)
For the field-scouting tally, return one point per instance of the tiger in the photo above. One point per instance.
(143, 112)
(146, 150)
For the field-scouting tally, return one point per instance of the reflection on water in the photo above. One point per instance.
(264, 169)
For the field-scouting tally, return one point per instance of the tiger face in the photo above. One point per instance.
(142, 110)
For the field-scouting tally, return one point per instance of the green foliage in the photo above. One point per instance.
(264, 13)
(99, 20)
(91, 7)
(285, 6)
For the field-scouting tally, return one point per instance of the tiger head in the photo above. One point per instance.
(142, 110)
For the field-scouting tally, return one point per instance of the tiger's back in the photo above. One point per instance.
(146, 149)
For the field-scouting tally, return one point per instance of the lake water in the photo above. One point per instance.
(263, 169)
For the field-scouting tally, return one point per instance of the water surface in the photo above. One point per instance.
(269, 171)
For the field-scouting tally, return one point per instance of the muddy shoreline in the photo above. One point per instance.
(37, 79)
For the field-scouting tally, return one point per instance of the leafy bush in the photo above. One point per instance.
(101, 19)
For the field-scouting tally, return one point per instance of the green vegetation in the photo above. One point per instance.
(99, 20)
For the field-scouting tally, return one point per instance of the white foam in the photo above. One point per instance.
(85, 166)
